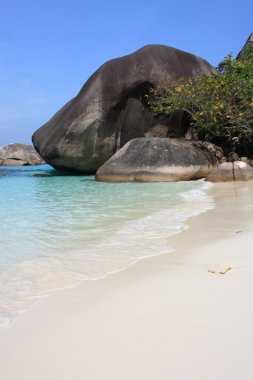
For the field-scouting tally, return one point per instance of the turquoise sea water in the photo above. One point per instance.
(59, 230)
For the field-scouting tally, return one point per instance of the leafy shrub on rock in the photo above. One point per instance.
(220, 107)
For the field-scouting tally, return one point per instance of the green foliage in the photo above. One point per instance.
(219, 106)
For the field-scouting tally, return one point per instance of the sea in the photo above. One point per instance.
(58, 230)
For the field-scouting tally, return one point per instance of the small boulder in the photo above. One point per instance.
(19, 155)
(231, 171)
(223, 159)
(158, 160)
(245, 159)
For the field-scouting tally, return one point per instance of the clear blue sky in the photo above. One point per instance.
(49, 48)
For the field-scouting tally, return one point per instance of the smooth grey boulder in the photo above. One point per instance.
(19, 155)
(110, 109)
(231, 171)
(158, 160)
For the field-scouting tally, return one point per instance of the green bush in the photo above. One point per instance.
(220, 107)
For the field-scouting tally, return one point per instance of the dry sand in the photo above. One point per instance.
(166, 317)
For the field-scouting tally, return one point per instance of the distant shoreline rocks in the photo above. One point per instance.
(18, 154)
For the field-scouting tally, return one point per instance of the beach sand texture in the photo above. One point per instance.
(172, 316)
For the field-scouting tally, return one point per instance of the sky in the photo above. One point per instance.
(49, 48)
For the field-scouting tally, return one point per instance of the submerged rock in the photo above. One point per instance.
(231, 171)
(42, 175)
(19, 155)
(110, 109)
(158, 160)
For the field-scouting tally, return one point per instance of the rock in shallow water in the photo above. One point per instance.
(158, 160)
(19, 155)
(110, 109)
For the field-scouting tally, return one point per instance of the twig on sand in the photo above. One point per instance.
(218, 269)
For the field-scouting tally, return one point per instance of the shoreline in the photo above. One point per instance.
(144, 321)
(142, 235)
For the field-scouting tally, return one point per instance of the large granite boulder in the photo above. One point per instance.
(110, 109)
(19, 155)
(231, 171)
(158, 160)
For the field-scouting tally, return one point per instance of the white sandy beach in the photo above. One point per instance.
(166, 317)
